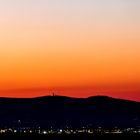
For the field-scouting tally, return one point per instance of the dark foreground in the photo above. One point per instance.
(72, 137)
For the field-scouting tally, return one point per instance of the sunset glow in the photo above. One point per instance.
(75, 48)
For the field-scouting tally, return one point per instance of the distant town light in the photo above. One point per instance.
(44, 132)
(19, 121)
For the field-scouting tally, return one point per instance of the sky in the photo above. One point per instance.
(75, 48)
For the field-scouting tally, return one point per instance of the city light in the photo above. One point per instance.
(44, 132)
(91, 131)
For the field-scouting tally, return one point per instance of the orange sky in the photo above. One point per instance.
(69, 48)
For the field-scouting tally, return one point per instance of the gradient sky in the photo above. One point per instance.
(72, 47)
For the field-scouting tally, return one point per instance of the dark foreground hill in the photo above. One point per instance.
(60, 112)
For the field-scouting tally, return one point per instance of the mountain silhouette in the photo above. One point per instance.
(61, 112)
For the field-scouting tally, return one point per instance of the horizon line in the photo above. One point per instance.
(56, 95)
